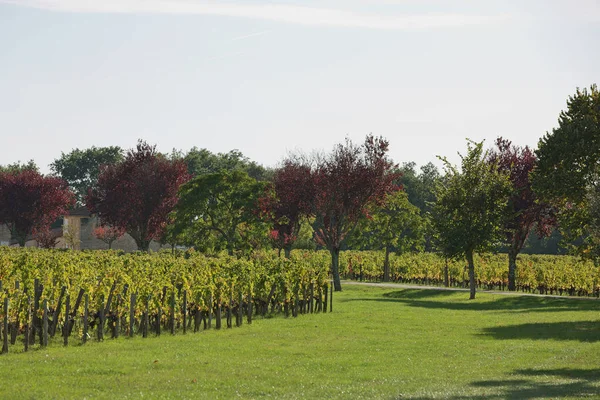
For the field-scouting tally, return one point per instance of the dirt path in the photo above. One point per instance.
(408, 286)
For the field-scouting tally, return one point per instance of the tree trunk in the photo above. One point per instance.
(143, 244)
(386, 265)
(471, 274)
(512, 269)
(335, 269)
(287, 251)
(517, 244)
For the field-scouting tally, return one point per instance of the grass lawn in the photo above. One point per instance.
(378, 343)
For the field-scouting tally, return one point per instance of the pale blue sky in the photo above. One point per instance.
(268, 77)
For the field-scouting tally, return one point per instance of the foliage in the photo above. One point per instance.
(137, 194)
(420, 187)
(210, 284)
(545, 274)
(567, 178)
(19, 167)
(221, 212)
(108, 234)
(30, 202)
(525, 210)
(386, 343)
(471, 208)
(396, 225)
(46, 238)
(81, 168)
(294, 194)
(204, 162)
(563, 175)
(345, 182)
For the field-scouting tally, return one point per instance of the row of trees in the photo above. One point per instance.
(350, 197)
(501, 195)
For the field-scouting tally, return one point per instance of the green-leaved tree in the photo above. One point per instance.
(568, 169)
(220, 211)
(81, 168)
(396, 225)
(470, 211)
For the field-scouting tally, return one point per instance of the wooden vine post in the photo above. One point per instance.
(45, 324)
(65, 330)
(131, 314)
(5, 327)
(184, 311)
(86, 315)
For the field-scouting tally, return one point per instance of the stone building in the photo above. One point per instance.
(77, 232)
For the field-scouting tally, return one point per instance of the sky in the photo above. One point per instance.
(273, 77)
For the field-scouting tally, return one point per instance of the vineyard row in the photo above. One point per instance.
(546, 274)
(96, 294)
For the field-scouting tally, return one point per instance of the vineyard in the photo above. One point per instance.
(90, 295)
(544, 274)
(93, 295)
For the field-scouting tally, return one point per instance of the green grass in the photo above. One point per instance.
(378, 343)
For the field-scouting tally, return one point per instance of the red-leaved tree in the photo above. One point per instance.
(346, 181)
(108, 234)
(137, 194)
(525, 211)
(294, 193)
(30, 202)
(46, 238)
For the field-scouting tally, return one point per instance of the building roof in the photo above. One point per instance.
(81, 211)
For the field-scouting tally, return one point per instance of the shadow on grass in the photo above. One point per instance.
(583, 331)
(538, 383)
(435, 299)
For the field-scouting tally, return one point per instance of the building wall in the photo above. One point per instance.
(89, 241)
(82, 228)
(4, 235)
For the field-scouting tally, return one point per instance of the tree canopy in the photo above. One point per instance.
(569, 157)
(345, 182)
(568, 170)
(204, 162)
(220, 211)
(19, 166)
(525, 211)
(292, 201)
(471, 208)
(80, 168)
(396, 225)
(137, 194)
(30, 202)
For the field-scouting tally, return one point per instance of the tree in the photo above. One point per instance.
(396, 225)
(525, 210)
(294, 193)
(203, 162)
(221, 211)
(471, 207)
(420, 188)
(46, 238)
(137, 194)
(569, 157)
(19, 166)
(345, 182)
(568, 167)
(80, 168)
(593, 199)
(108, 234)
(30, 202)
